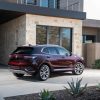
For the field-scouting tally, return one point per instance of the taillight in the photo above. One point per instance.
(17, 63)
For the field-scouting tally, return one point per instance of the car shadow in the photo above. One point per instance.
(58, 74)
(29, 78)
(53, 75)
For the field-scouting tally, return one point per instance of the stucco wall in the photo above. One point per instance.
(91, 50)
(92, 53)
(33, 20)
(12, 34)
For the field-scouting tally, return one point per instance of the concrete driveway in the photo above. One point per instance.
(11, 86)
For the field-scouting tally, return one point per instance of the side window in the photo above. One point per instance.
(52, 50)
(63, 51)
(45, 50)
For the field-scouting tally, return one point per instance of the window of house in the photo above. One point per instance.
(41, 35)
(58, 4)
(33, 2)
(44, 3)
(54, 35)
(66, 38)
(89, 38)
(51, 3)
(54, 3)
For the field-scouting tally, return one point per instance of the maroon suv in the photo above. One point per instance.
(42, 60)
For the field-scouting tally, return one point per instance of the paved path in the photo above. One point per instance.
(11, 86)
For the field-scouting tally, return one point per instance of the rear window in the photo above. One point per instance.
(26, 50)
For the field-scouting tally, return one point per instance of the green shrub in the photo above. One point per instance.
(75, 88)
(98, 87)
(96, 64)
(46, 95)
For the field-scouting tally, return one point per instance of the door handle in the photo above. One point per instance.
(48, 56)
(63, 57)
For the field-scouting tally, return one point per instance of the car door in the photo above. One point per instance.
(64, 57)
(53, 57)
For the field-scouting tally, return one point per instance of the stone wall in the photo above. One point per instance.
(91, 53)
(12, 34)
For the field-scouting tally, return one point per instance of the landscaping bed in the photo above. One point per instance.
(91, 93)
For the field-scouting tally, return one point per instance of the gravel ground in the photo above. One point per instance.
(90, 94)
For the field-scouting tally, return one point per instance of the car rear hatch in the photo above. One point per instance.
(22, 56)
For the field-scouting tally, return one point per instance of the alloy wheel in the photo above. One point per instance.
(78, 69)
(44, 72)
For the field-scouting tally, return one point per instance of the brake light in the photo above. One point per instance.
(17, 63)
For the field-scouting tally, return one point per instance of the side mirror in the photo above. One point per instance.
(67, 54)
(70, 53)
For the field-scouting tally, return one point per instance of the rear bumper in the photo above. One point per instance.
(22, 71)
(18, 71)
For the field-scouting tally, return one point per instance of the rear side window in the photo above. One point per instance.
(45, 50)
(26, 50)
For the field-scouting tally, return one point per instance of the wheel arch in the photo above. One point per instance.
(80, 61)
(51, 68)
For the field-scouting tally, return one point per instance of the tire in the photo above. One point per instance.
(44, 72)
(18, 75)
(78, 68)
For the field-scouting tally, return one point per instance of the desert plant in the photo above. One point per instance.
(96, 64)
(75, 88)
(46, 95)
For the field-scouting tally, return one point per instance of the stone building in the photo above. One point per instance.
(34, 22)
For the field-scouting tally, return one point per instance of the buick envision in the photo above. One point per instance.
(42, 60)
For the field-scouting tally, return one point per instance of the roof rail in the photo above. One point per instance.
(47, 45)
